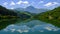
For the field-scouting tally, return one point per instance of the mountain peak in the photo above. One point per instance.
(30, 7)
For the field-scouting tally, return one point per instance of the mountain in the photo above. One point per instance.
(4, 11)
(31, 9)
(9, 12)
(8, 16)
(52, 16)
(34, 10)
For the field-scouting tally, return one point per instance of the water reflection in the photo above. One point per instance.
(27, 27)
(32, 26)
(5, 22)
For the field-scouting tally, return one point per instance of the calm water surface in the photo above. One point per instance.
(31, 27)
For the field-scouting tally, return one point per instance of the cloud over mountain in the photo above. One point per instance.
(12, 3)
(22, 2)
(5, 3)
(51, 4)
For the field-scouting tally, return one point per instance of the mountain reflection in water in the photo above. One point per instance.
(32, 27)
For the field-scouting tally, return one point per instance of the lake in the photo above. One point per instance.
(31, 27)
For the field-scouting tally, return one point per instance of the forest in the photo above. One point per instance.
(51, 16)
(8, 16)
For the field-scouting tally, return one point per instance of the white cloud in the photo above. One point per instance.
(26, 2)
(48, 4)
(51, 4)
(12, 8)
(12, 3)
(12, 30)
(41, 2)
(55, 3)
(20, 31)
(12, 24)
(5, 3)
(6, 30)
(26, 30)
(19, 2)
(48, 28)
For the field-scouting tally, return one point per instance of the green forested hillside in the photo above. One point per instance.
(8, 17)
(4, 11)
(52, 16)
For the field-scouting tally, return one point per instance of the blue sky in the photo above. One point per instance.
(11, 4)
